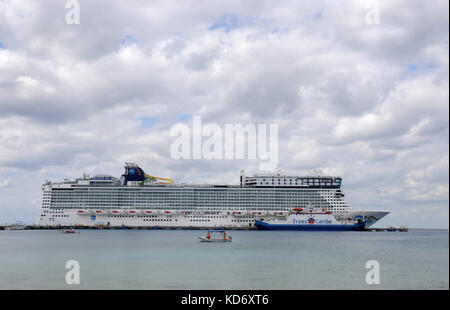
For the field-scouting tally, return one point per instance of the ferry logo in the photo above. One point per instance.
(93, 217)
(311, 220)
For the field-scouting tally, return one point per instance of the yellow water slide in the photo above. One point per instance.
(153, 178)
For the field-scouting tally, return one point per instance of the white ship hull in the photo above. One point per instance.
(73, 218)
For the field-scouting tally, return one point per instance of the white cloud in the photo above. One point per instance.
(4, 183)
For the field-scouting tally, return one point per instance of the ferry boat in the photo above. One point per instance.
(137, 199)
(312, 220)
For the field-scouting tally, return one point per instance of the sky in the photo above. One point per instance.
(359, 97)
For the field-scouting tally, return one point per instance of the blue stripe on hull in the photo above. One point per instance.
(265, 226)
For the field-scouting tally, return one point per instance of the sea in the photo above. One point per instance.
(256, 260)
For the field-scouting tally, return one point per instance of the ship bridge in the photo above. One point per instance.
(279, 180)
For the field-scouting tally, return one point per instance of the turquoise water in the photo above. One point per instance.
(164, 259)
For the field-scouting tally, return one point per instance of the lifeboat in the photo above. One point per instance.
(116, 212)
(257, 213)
(149, 212)
(169, 213)
(133, 212)
(298, 209)
(239, 213)
(99, 212)
(81, 211)
(278, 213)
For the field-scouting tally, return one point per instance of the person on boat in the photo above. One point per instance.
(224, 236)
(208, 236)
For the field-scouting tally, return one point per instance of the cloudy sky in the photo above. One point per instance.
(358, 98)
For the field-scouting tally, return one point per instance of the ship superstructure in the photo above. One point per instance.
(138, 199)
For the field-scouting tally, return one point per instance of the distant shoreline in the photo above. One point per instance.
(33, 227)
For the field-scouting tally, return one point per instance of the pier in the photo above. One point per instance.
(390, 228)
(36, 227)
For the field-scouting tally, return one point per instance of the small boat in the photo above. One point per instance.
(221, 236)
(69, 231)
(18, 226)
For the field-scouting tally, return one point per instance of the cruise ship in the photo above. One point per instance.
(138, 199)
